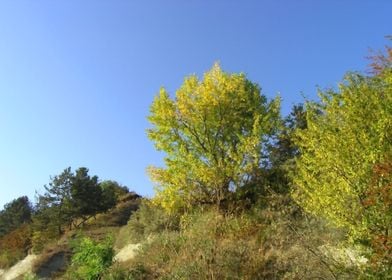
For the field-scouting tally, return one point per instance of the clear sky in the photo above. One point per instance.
(77, 76)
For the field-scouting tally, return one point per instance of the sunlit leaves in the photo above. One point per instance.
(213, 133)
(347, 135)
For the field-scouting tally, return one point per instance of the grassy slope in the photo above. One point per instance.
(55, 258)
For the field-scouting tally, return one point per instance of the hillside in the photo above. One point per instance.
(55, 256)
(244, 193)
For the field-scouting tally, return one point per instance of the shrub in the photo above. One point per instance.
(148, 220)
(272, 240)
(209, 245)
(10, 257)
(14, 246)
(91, 259)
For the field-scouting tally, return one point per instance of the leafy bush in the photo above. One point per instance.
(91, 259)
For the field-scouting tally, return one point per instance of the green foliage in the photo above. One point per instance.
(339, 149)
(115, 188)
(86, 194)
(54, 210)
(91, 259)
(223, 208)
(15, 213)
(283, 150)
(344, 171)
(111, 192)
(54, 207)
(45, 228)
(69, 201)
(213, 133)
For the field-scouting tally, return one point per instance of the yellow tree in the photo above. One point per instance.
(349, 135)
(213, 133)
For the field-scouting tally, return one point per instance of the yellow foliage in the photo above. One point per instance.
(347, 134)
(213, 133)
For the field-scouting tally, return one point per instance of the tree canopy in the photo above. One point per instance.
(349, 135)
(214, 133)
(70, 196)
(15, 213)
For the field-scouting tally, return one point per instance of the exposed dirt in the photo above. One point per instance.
(55, 265)
(18, 270)
(127, 253)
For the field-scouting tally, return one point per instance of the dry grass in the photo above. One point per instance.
(55, 257)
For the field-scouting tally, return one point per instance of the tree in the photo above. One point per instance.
(214, 134)
(381, 60)
(15, 213)
(111, 193)
(378, 205)
(70, 196)
(283, 150)
(348, 135)
(54, 210)
(86, 194)
(56, 202)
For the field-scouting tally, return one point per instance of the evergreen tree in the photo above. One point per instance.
(15, 213)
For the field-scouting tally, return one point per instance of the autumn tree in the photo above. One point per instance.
(378, 206)
(348, 135)
(380, 61)
(214, 133)
(14, 245)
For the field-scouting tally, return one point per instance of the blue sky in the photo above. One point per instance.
(77, 77)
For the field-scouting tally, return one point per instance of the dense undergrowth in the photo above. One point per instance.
(263, 242)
